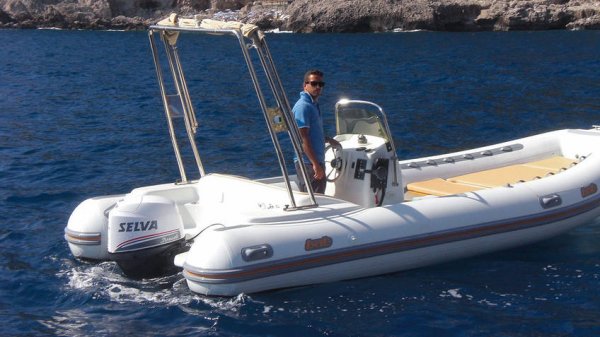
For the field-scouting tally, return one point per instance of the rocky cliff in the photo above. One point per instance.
(442, 15)
(311, 15)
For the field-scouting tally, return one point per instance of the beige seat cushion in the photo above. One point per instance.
(554, 164)
(440, 187)
(497, 177)
(502, 176)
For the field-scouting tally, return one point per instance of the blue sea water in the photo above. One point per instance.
(80, 116)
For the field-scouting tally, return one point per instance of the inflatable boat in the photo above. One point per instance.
(231, 234)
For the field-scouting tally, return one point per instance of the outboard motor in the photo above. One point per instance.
(145, 233)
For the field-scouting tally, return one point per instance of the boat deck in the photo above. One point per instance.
(502, 176)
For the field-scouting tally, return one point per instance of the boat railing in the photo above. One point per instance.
(249, 37)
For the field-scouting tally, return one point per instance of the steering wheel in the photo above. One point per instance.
(333, 166)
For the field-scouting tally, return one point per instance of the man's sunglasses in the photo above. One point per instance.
(315, 83)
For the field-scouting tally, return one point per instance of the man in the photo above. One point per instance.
(310, 123)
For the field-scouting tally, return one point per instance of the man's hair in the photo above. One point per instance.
(312, 72)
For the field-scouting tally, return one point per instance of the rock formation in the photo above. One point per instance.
(441, 15)
(311, 15)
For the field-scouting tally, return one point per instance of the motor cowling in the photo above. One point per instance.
(144, 234)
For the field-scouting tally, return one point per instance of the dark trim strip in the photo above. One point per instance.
(82, 238)
(348, 254)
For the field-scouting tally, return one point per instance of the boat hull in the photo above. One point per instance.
(380, 257)
(381, 264)
(338, 242)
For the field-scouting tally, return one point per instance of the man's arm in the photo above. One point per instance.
(332, 141)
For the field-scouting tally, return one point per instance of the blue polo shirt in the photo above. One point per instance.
(308, 115)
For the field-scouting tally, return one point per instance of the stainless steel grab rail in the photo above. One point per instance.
(256, 41)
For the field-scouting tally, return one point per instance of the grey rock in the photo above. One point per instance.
(311, 15)
(585, 16)
(441, 15)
